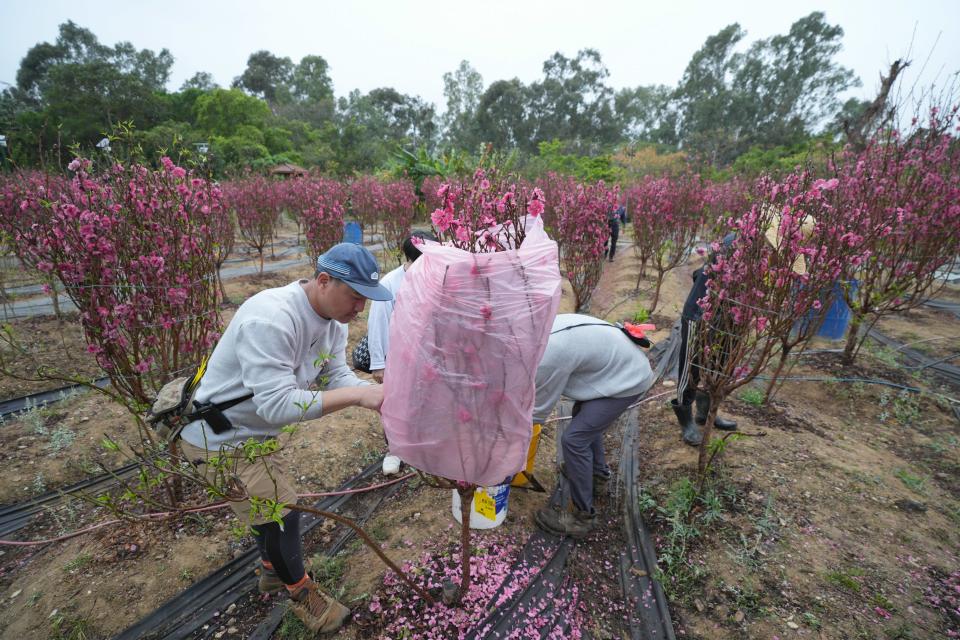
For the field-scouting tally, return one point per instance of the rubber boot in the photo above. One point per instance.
(703, 408)
(690, 431)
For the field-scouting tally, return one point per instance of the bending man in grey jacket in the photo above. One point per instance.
(284, 355)
(595, 364)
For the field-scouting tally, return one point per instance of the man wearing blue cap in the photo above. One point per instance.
(282, 360)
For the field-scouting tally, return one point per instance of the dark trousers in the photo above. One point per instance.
(582, 444)
(688, 372)
(614, 234)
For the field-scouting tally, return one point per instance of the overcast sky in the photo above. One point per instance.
(409, 45)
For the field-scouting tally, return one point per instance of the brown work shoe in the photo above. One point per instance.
(318, 611)
(563, 522)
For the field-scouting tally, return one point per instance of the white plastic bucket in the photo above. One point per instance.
(489, 506)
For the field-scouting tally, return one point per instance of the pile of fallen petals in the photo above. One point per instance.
(404, 614)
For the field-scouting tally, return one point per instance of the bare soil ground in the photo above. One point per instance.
(842, 520)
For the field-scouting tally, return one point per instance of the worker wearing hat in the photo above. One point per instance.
(284, 355)
(688, 374)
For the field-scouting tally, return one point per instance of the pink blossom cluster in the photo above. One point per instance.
(25, 198)
(429, 188)
(667, 215)
(493, 565)
(134, 249)
(487, 214)
(899, 217)
(367, 201)
(722, 200)
(399, 210)
(257, 202)
(321, 208)
(579, 218)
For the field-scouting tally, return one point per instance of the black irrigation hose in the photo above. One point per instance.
(944, 305)
(189, 610)
(14, 517)
(16, 405)
(947, 371)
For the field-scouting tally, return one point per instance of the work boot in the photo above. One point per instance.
(703, 408)
(318, 611)
(690, 431)
(574, 522)
(269, 581)
(601, 480)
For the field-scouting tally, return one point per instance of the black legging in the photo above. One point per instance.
(283, 549)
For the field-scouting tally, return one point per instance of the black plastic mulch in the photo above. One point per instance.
(946, 371)
(16, 405)
(15, 517)
(190, 614)
(638, 562)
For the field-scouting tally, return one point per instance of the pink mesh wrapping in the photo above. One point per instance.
(466, 336)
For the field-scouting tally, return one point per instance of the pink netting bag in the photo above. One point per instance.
(466, 336)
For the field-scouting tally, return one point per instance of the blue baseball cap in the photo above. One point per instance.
(357, 267)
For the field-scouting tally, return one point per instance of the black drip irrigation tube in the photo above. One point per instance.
(944, 305)
(185, 614)
(41, 398)
(15, 517)
(949, 372)
(513, 613)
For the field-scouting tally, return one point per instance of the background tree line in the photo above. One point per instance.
(751, 108)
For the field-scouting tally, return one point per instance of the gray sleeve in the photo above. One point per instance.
(551, 381)
(266, 352)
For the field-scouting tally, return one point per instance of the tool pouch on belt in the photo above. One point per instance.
(175, 407)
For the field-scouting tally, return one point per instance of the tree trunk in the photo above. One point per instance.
(776, 374)
(223, 291)
(853, 337)
(55, 299)
(466, 503)
(656, 292)
(704, 456)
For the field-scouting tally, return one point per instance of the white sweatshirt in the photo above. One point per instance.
(279, 349)
(588, 362)
(378, 323)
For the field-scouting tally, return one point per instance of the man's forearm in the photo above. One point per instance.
(368, 397)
